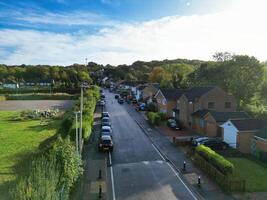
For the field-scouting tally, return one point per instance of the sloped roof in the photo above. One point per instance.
(200, 113)
(172, 94)
(224, 116)
(197, 92)
(247, 124)
(262, 133)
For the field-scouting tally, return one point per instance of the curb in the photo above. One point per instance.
(192, 189)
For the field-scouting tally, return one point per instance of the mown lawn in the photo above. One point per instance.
(254, 173)
(18, 139)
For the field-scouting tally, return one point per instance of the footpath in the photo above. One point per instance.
(93, 179)
(176, 156)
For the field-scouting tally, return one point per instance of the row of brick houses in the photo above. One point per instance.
(207, 111)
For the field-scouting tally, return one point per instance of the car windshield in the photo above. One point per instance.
(105, 120)
(106, 141)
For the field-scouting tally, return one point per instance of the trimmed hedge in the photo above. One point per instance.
(60, 96)
(215, 159)
(153, 118)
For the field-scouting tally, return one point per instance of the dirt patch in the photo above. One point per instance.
(36, 104)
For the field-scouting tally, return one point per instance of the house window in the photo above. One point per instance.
(227, 105)
(211, 105)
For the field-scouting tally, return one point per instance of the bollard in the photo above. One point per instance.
(184, 166)
(100, 174)
(199, 182)
(100, 192)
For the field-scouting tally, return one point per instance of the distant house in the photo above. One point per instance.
(198, 98)
(139, 91)
(238, 133)
(208, 122)
(10, 85)
(149, 91)
(167, 100)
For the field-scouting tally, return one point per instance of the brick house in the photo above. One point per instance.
(167, 100)
(240, 133)
(208, 122)
(198, 98)
(149, 91)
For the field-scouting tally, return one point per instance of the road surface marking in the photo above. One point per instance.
(160, 154)
(112, 179)
(177, 175)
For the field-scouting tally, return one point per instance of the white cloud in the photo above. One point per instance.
(240, 30)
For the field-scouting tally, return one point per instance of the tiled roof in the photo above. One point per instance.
(200, 113)
(224, 116)
(247, 124)
(196, 92)
(262, 133)
(172, 94)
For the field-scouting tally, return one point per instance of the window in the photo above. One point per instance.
(211, 105)
(227, 105)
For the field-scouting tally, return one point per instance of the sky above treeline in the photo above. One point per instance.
(63, 32)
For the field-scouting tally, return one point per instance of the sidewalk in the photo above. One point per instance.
(88, 187)
(176, 156)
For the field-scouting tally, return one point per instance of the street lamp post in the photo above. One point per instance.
(77, 133)
(83, 85)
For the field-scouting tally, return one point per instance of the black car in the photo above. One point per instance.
(105, 143)
(120, 100)
(215, 144)
(116, 96)
(173, 124)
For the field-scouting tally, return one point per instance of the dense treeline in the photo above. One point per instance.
(68, 77)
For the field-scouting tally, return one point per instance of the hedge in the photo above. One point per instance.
(51, 174)
(43, 96)
(215, 159)
(153, 118)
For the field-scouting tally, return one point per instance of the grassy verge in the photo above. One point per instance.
(19, 139)
(254, 173)
(43, 96)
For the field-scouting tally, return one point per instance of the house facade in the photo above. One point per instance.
(239, 133)
(167, 100)
(198, 98)
(149, 91)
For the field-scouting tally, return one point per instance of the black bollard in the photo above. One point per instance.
(100, 192)
(199, 181)
(184, 166)
(100, 174)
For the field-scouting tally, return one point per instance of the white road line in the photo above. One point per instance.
(158, 152)
(112, 178)
(177, 175)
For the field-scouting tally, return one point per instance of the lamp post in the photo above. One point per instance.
(83, 85)
(76, 135)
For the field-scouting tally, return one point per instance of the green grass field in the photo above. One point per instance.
(18, 139)
(254, 173)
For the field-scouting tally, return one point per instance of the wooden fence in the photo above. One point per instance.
(227, 183)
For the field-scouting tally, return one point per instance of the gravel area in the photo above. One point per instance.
(35, 104)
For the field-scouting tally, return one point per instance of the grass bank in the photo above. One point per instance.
(19, 139)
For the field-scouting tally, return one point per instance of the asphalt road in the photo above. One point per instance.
(138, 170)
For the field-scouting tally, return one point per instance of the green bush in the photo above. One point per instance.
(215, 159)
(51, 175)
(163, 116)
(153, 118)
(2, 98)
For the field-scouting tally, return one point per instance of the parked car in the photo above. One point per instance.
(141, 107)
(102, 96)
(215, 144)
(105, 143)
(101, 103)
(134, 101)
(105, 114)
(106, 130)
(120, 100)
(198, 139)
(106, 121)
(117, 96)
(173, 124)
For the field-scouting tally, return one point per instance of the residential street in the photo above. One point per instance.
(138, 169)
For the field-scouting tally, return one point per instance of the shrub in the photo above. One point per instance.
(163, 116)
(153, 118)
(215, 159)
(2, 98)
(51, 175)
(151, 107)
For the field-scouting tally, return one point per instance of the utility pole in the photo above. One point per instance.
(77, 133)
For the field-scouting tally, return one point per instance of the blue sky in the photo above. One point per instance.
(121, 31)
